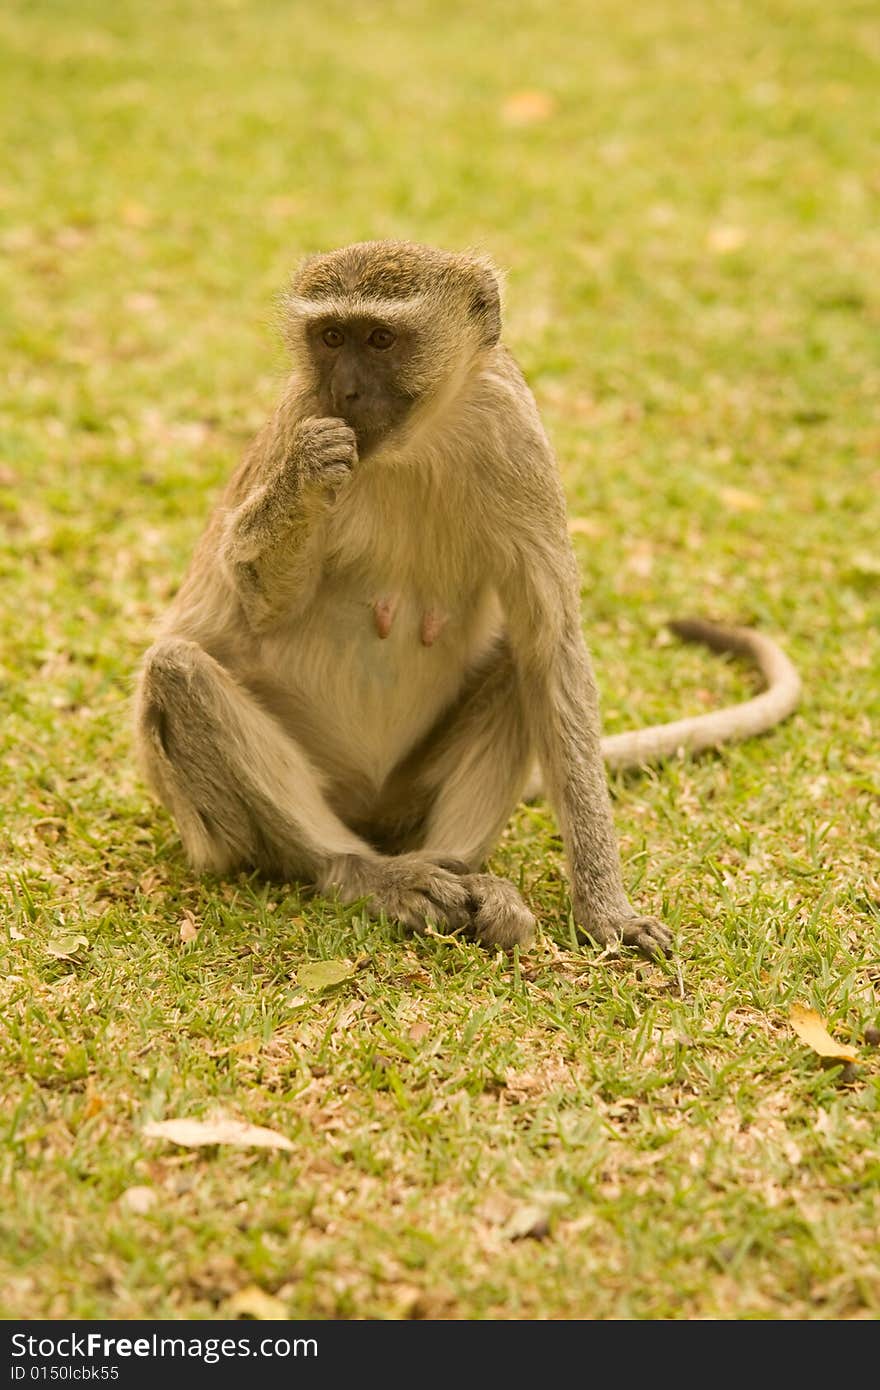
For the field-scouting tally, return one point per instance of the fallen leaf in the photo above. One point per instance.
(284, 206)
(138, 1199)
(189, 928)
(530, 1222)
(407, 1301)
(67, 947)
(150, 881)
(141, 302)
(866, 563)
(321, 974)
(528, 107)
(193, 1134)
(93, 1106)
(736, 499)
(723, 240)
(419, 1032)
(864, 570)
(811, 1029)
(585, 526)
(135, 214)
(254, 1302)
(640, 560)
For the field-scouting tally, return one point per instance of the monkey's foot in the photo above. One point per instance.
(650, 937)
(408, 889)
(500, 917)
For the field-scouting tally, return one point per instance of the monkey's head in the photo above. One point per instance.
(383, 328)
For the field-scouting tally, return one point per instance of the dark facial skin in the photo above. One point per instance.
(359, 365)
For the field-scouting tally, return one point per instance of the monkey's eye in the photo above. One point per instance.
(332, 337)
(381, 338)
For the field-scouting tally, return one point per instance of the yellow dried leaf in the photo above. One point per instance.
(722, 240)
(93, 1106)
(585, 526)
(528, 107)
(138, 1199)
(736, 499)
(193, 1134)
(254, 1302)
(640, 560)
(189, 928)
(811, 1029)
(135, 214)
(528, 1222)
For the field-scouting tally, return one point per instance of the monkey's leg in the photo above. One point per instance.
(243, 792)
(469, 774)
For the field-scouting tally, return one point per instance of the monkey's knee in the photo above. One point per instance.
(174, 688)
(168, 670)
(180, 751)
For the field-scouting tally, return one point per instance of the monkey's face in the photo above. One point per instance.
(361, 374)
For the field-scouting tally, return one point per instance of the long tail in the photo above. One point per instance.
(641, 746)
(726, 725)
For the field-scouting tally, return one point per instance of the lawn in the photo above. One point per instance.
(686, 201)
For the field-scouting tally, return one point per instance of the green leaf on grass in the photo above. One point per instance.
(321, 974)
(67, 947)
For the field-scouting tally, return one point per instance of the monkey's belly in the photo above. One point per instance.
(360, 691)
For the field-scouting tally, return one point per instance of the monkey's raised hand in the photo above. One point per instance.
(323, 452)
(266, 534)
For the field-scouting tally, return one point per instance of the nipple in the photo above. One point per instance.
(433, 623)
(384, 610)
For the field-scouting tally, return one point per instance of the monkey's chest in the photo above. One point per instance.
(370, 667)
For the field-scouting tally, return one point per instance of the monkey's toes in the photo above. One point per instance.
(406, 889)
(419, 894)
(647, 935)
(500, 917)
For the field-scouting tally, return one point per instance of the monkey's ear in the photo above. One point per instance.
(485, 302)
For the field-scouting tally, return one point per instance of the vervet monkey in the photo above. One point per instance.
(380, 630)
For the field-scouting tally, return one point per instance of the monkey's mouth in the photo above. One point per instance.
(370, 433)
(373, 424)
(367, 436)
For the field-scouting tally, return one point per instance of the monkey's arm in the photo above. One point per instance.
(294, 469)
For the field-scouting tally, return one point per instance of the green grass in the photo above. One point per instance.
(690, 234)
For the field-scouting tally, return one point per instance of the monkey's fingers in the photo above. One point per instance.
(315, 425)
(325, 440)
